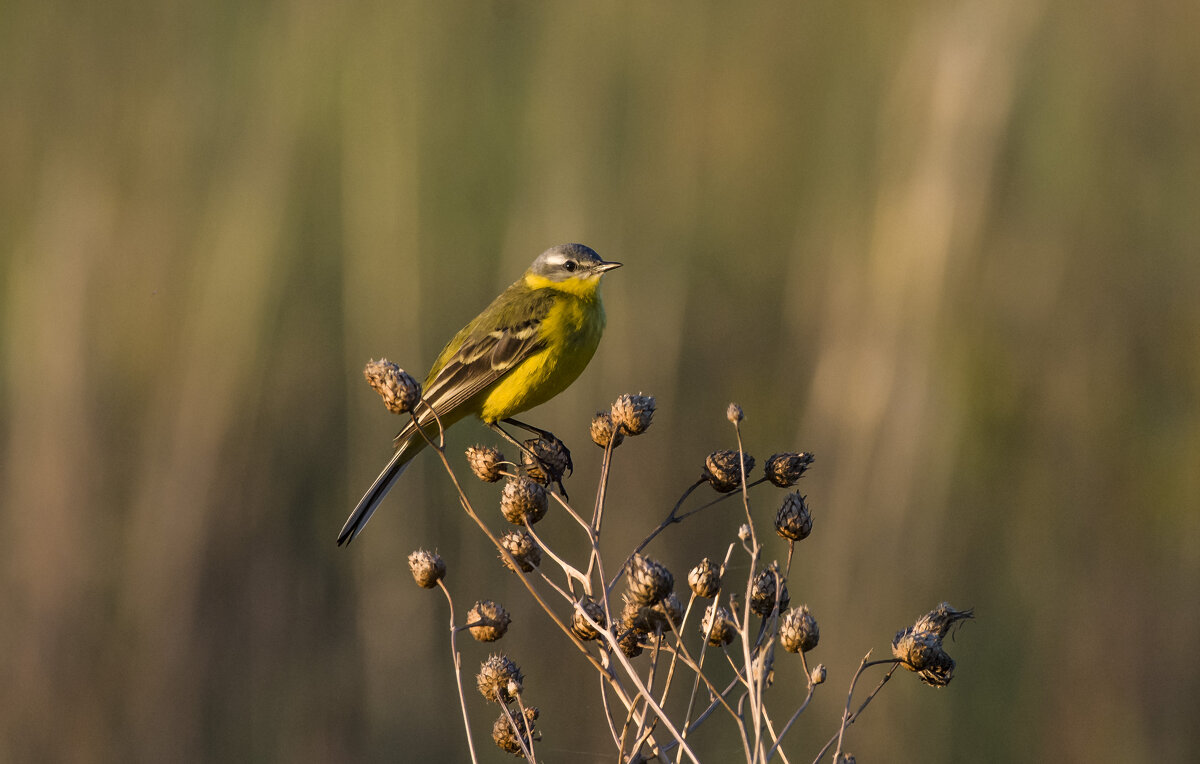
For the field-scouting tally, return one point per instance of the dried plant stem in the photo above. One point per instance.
(849, 718)
(526, 744)
(456, 658)
(796, 715)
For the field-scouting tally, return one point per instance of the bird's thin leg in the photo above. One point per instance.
(542, 434)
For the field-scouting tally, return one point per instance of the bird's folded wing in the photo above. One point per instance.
(478, 363)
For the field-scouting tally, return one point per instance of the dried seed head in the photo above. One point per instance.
(785, 469)
(523, 548)
(649, 581)
(632, 413)
(630, 643)
(499, 679)
(603, 430)
(717, 626)
(744, 532)
(722, 471)
(762, 596)
(670, 609)
(798, 632)
(400, 392)
(579, 625)
(427, 568)
(734, 413)
(705, 579)
(793, 520)
(485, 462)
(487, 621)
(919, 646)
(817, 675)
(523, 500)
(552, 461)
(846, 758)
(638, 617)
(509, 738)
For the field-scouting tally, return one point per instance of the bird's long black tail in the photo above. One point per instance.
(379, 489)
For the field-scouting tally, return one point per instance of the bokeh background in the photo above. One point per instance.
(952, 248)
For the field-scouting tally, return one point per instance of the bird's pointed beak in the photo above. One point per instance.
(607, 265)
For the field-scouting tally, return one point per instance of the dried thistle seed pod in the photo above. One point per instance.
(638, 617)
(523, 548)
(734, 413)
(798, 632)
(552, 461)
(509, 738)
(705, 579)
(499, 679)
(919, 646)
(670, 610)
(632, 413)
(580, 626)
(649, 581)
(762, 596)
(785, 469)
(523, 500)
(400, 392)
(817, 675)
(603, 430)
(721, 470)
(717, 626)
(793, 520)
(427, 568)
(630, 643)
(487, 621)
(486, 462)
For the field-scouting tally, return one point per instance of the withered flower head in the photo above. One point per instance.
(649, 581)
(487, 621)
(670, 609)
(580, 626)
(632, 413)
(638, 617)
(721, 470)
(817, 675)
(785, 469)
(523, 499)
(717, 626)
(427, 568)
(734, 413)
(400, 392)
(793, 520)
(486, 462)
(919, 646)
(630, 643)
(603, 430)
(762, 595)
(499, 679)
(705, 579)
(524, 549)
(799, 632)
(509, 738)
(552, 461)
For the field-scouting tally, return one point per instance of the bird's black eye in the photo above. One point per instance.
(570, 265)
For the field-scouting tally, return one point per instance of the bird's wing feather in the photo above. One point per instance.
(498, 340)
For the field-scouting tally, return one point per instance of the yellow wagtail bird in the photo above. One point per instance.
(528, 346)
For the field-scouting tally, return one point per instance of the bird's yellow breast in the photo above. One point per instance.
(571, 332)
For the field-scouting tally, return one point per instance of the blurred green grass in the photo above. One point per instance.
(952, 248)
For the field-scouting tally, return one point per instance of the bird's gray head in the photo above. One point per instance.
(570, 261)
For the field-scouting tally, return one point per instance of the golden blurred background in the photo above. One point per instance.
(952, 248)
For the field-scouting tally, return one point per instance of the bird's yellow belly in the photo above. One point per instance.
(573, 330)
